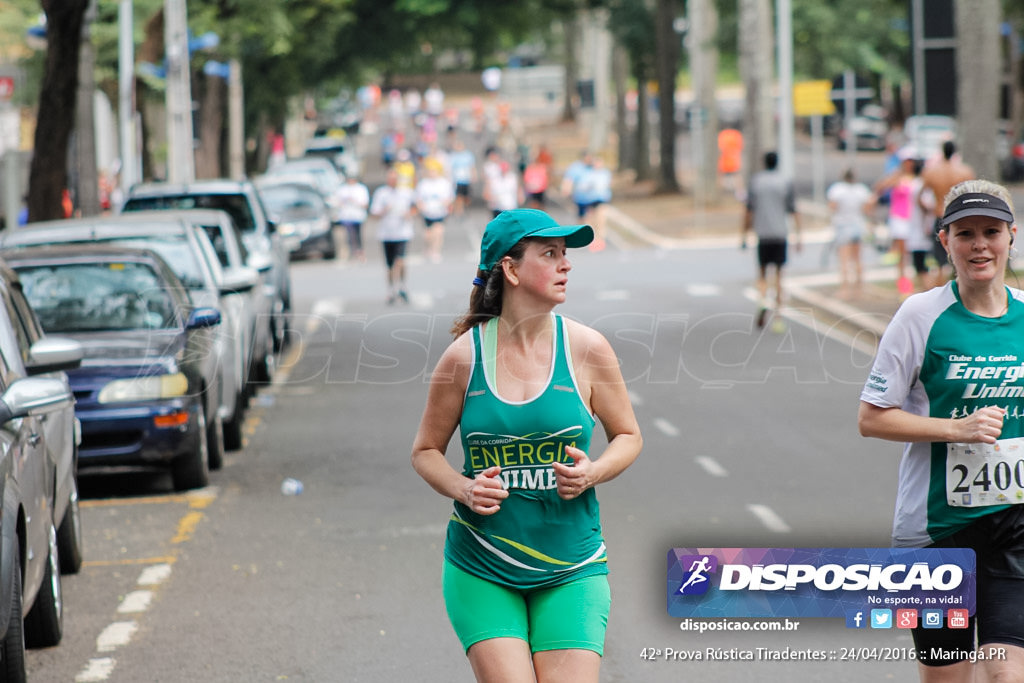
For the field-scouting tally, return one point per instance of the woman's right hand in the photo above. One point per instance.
(484, 493)
(982, 426)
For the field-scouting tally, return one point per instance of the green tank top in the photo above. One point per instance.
(536, 539)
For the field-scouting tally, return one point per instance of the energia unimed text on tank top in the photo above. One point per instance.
(536, 539)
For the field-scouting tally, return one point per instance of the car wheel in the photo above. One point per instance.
(331, 252)
(280, 332)
(215, 441)
(192, 470)
(266, 365)
(232, 430)
(69, 534)
(12, 649)
(44, 624)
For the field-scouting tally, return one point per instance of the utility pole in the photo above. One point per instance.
(784, 27)
(236, 134)
(180, 151)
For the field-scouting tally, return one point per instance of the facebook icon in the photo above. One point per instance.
(856, 619)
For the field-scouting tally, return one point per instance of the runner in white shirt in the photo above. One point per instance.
(353, 200)
(434, 198)
(394, 206)
(851, 204)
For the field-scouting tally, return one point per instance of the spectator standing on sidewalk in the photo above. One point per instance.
(525, 567)
(353, 201)
(940, 176)
(394, 206)
(851, 204)
(730, 159)
(928, 389)
(771, 201)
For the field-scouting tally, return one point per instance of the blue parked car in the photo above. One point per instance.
(144, 390)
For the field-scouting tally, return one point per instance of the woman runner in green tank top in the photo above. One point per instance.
(525, 565)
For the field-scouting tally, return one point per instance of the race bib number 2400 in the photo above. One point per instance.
(980, 474)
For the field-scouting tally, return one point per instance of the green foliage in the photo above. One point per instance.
(868, 36)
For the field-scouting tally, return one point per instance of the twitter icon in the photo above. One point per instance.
(881, 618)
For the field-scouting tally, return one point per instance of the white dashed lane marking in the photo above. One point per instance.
(98, 669)
(665, 427)
(770, 520)
(711, 466)
(116, 635)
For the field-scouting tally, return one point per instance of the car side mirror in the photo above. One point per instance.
(260, 261)
(203, 317)
(34, 396)
(238, 280)
(53, 354)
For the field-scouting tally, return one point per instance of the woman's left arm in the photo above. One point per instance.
(598, 372)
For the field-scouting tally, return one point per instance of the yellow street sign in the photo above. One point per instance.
(813, 98)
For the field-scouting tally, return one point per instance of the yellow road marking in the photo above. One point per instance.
(146, 500)
(187, 526)
(169, 559)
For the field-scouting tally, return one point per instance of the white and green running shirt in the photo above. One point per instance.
(938, 359)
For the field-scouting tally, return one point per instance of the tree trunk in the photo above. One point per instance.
(48, 174)
(620, 69)
(666, 60)
(87, 185)
(704, 71)
(756, 54)
(642, 163)
(211, 126)
(977, 54)
(570, 34)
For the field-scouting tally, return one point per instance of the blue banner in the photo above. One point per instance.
(818, 582)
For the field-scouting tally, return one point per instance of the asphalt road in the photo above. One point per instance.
(750, 441)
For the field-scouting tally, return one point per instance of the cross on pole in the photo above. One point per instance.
(849, 94)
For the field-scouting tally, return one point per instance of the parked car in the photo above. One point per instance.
(336, 149)
(38, 484)
(869, 129)
(301, 215)
(253, 306)
(925, 134)
(240, 199)
(317, 171)
(187, 250)
(143, 391)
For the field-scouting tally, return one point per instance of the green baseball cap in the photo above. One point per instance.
(510, 226)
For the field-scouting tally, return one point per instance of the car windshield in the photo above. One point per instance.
(176, 251)
(97, 297)
(292, 201)
(234, 204)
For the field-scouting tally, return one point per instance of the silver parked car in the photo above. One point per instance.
(240, 199)
(40, 529)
